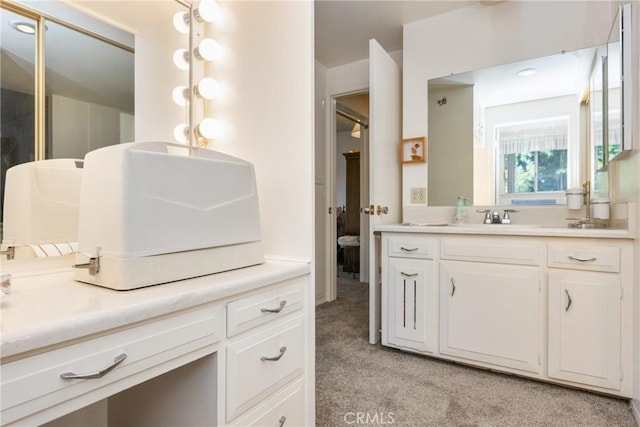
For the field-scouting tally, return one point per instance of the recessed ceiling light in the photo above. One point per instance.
(24, 27)
(527, 72)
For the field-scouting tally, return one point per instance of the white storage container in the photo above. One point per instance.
(41, 202)
(155, 212)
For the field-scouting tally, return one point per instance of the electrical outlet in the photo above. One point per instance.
(419, 195)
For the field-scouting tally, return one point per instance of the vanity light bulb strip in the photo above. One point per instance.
(180, 133)
(208, 50)
(208, 88)
(181, 22)
(181, 59)
(207, 11)
(180, 95)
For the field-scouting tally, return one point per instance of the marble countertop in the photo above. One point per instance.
(46, 306)
(507, 230)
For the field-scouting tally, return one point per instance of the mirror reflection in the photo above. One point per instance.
(613, 107)
(512, 134)
(88, 91)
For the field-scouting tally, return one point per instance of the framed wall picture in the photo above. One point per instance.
(414, 150)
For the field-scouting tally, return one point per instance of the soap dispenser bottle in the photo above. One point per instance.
(459, 216)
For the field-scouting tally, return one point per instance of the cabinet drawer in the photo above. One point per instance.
(34, 383)
(495, 250)
(284, 409)
(411, 246)
(251, 378)
(255, 310)
(585, 257)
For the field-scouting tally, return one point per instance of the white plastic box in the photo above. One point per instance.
(156, 212)
(41, 202)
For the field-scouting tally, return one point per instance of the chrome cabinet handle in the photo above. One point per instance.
(569, 301)
(281, 421)
(275, 310)
(453, 286)
(283, 349)
(408, 275)
(402, 248)
(572, 258)
(94, 375)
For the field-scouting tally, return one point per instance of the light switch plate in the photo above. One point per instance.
(418, 195)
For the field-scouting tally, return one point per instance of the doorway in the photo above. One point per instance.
(349, 156)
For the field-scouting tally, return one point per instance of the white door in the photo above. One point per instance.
(491, 313)
(584, 327)
(409, 309)
(385, 185)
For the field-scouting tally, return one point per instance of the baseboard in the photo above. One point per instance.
(635, 408)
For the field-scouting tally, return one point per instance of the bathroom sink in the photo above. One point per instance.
(496, 226)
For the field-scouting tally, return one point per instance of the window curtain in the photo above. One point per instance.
(538, 136)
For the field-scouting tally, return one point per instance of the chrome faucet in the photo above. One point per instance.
(506, 219)
(493, 217)
(488, 219)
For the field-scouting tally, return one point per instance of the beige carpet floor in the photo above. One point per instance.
(359, 384)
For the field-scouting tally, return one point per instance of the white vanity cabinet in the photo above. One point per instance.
(266, 358)
(554, 305)
(586, 313)
(234, 348)
(490, 301)
(409, 293)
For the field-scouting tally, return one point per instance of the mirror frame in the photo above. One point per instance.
(623, 25)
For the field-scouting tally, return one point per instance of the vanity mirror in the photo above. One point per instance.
(75, 76)
(618, 86)
(512, 133)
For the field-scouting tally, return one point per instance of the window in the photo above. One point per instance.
(534, 157)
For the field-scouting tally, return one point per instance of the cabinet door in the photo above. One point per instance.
(584, 327)
(410, 307)
(491, 313)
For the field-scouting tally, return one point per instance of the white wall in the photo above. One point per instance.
(625, 187)
(267, 112)
(78, 127)
(156, 114)
(451, 146)
(480, 36)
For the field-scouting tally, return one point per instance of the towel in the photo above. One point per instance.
(54, 249)
(349, 240)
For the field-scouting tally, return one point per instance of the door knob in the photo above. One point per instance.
(368, 210)
(382, 210)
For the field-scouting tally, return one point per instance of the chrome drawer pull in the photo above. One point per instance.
(99, 374)
(275, 358)
(408, 249)
(281, 421)
(408, 275)
(569, 301)
(275, 310)
(582, 259)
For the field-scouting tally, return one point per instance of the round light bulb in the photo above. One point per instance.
(209, 128)
(180, 133)
(208, 88)
(181, 22)
(179, 95)
(208, 10)
(180, 59)
(208, 50)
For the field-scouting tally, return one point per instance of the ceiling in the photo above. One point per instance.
(343, 28)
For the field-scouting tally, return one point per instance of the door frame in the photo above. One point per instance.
(331, 227)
